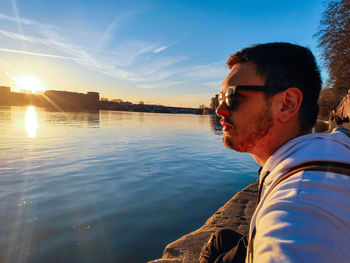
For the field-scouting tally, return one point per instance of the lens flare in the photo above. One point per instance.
(28, 83)
(31, 122)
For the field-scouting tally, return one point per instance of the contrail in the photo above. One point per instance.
(37, 54)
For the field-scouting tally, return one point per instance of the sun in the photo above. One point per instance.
(28, 83)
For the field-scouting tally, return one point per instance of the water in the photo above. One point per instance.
(109, 186)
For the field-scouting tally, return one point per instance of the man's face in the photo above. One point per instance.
(246, 126)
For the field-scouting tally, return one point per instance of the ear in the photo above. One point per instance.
(290, 101)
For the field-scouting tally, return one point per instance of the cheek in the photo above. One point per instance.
(243, 116)
(245, 123)
(250, 110)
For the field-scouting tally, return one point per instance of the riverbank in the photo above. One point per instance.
(57, 100)
(235, 214)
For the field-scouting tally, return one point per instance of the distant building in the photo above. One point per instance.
(4, 91)
(66, 100)
(5, 95)
(214, 102)
(54, 99)
(94, 95)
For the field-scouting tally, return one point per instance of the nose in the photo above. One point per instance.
(222, 110)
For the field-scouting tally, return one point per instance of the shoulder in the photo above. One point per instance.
(307, 149)
(307, 191)
(305, 217)
(316, 146)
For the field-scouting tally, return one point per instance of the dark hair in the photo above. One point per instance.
(286, 65)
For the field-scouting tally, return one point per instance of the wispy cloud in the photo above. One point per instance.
(106, 37)
(78, 53)
(126, 52)
(164, 47)
(36, 54)
(75, 52)
(145, 86)
(212, 70)
(163, 84)
(160, 49)
(111, 30)
(141, 62)
(27, 22)
(21, 37)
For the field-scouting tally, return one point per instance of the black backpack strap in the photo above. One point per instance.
(333, 167)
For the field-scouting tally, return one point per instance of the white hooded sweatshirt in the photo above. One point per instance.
(305, 218)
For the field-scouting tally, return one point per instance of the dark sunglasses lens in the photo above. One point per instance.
(229, 97)
(220, 98)
(229, 94)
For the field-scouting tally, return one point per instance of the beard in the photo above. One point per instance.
(245, 141)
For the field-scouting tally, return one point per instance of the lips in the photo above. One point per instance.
(226, 126)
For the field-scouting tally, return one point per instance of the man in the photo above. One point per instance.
(268, 106)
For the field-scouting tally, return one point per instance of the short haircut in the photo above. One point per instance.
(286, 65)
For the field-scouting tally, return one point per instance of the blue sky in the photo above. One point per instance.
(165, 52)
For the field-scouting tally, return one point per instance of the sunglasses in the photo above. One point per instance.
(230, 95)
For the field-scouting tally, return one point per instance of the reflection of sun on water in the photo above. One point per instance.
(31, 122)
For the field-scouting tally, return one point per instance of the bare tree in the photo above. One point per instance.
(117, 100)
(213, 102)
(334, 39)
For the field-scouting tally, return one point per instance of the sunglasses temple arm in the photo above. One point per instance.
(252, 88)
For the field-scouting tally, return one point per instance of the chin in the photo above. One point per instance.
(228, 142)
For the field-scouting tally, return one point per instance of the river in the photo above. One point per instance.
(109, 186)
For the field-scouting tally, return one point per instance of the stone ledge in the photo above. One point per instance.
(235, 214)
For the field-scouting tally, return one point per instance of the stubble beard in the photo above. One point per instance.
(251, 137)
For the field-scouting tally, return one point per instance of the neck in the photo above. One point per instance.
(273, 141)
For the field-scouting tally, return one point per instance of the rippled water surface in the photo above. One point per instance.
(109, 186)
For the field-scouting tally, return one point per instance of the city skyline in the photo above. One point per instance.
(161, 52)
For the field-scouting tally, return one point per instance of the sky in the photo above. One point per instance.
(169, 52)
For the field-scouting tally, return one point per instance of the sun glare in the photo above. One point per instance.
(28, 83)
(31, 122)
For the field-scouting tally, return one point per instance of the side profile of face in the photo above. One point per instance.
(245, 127)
